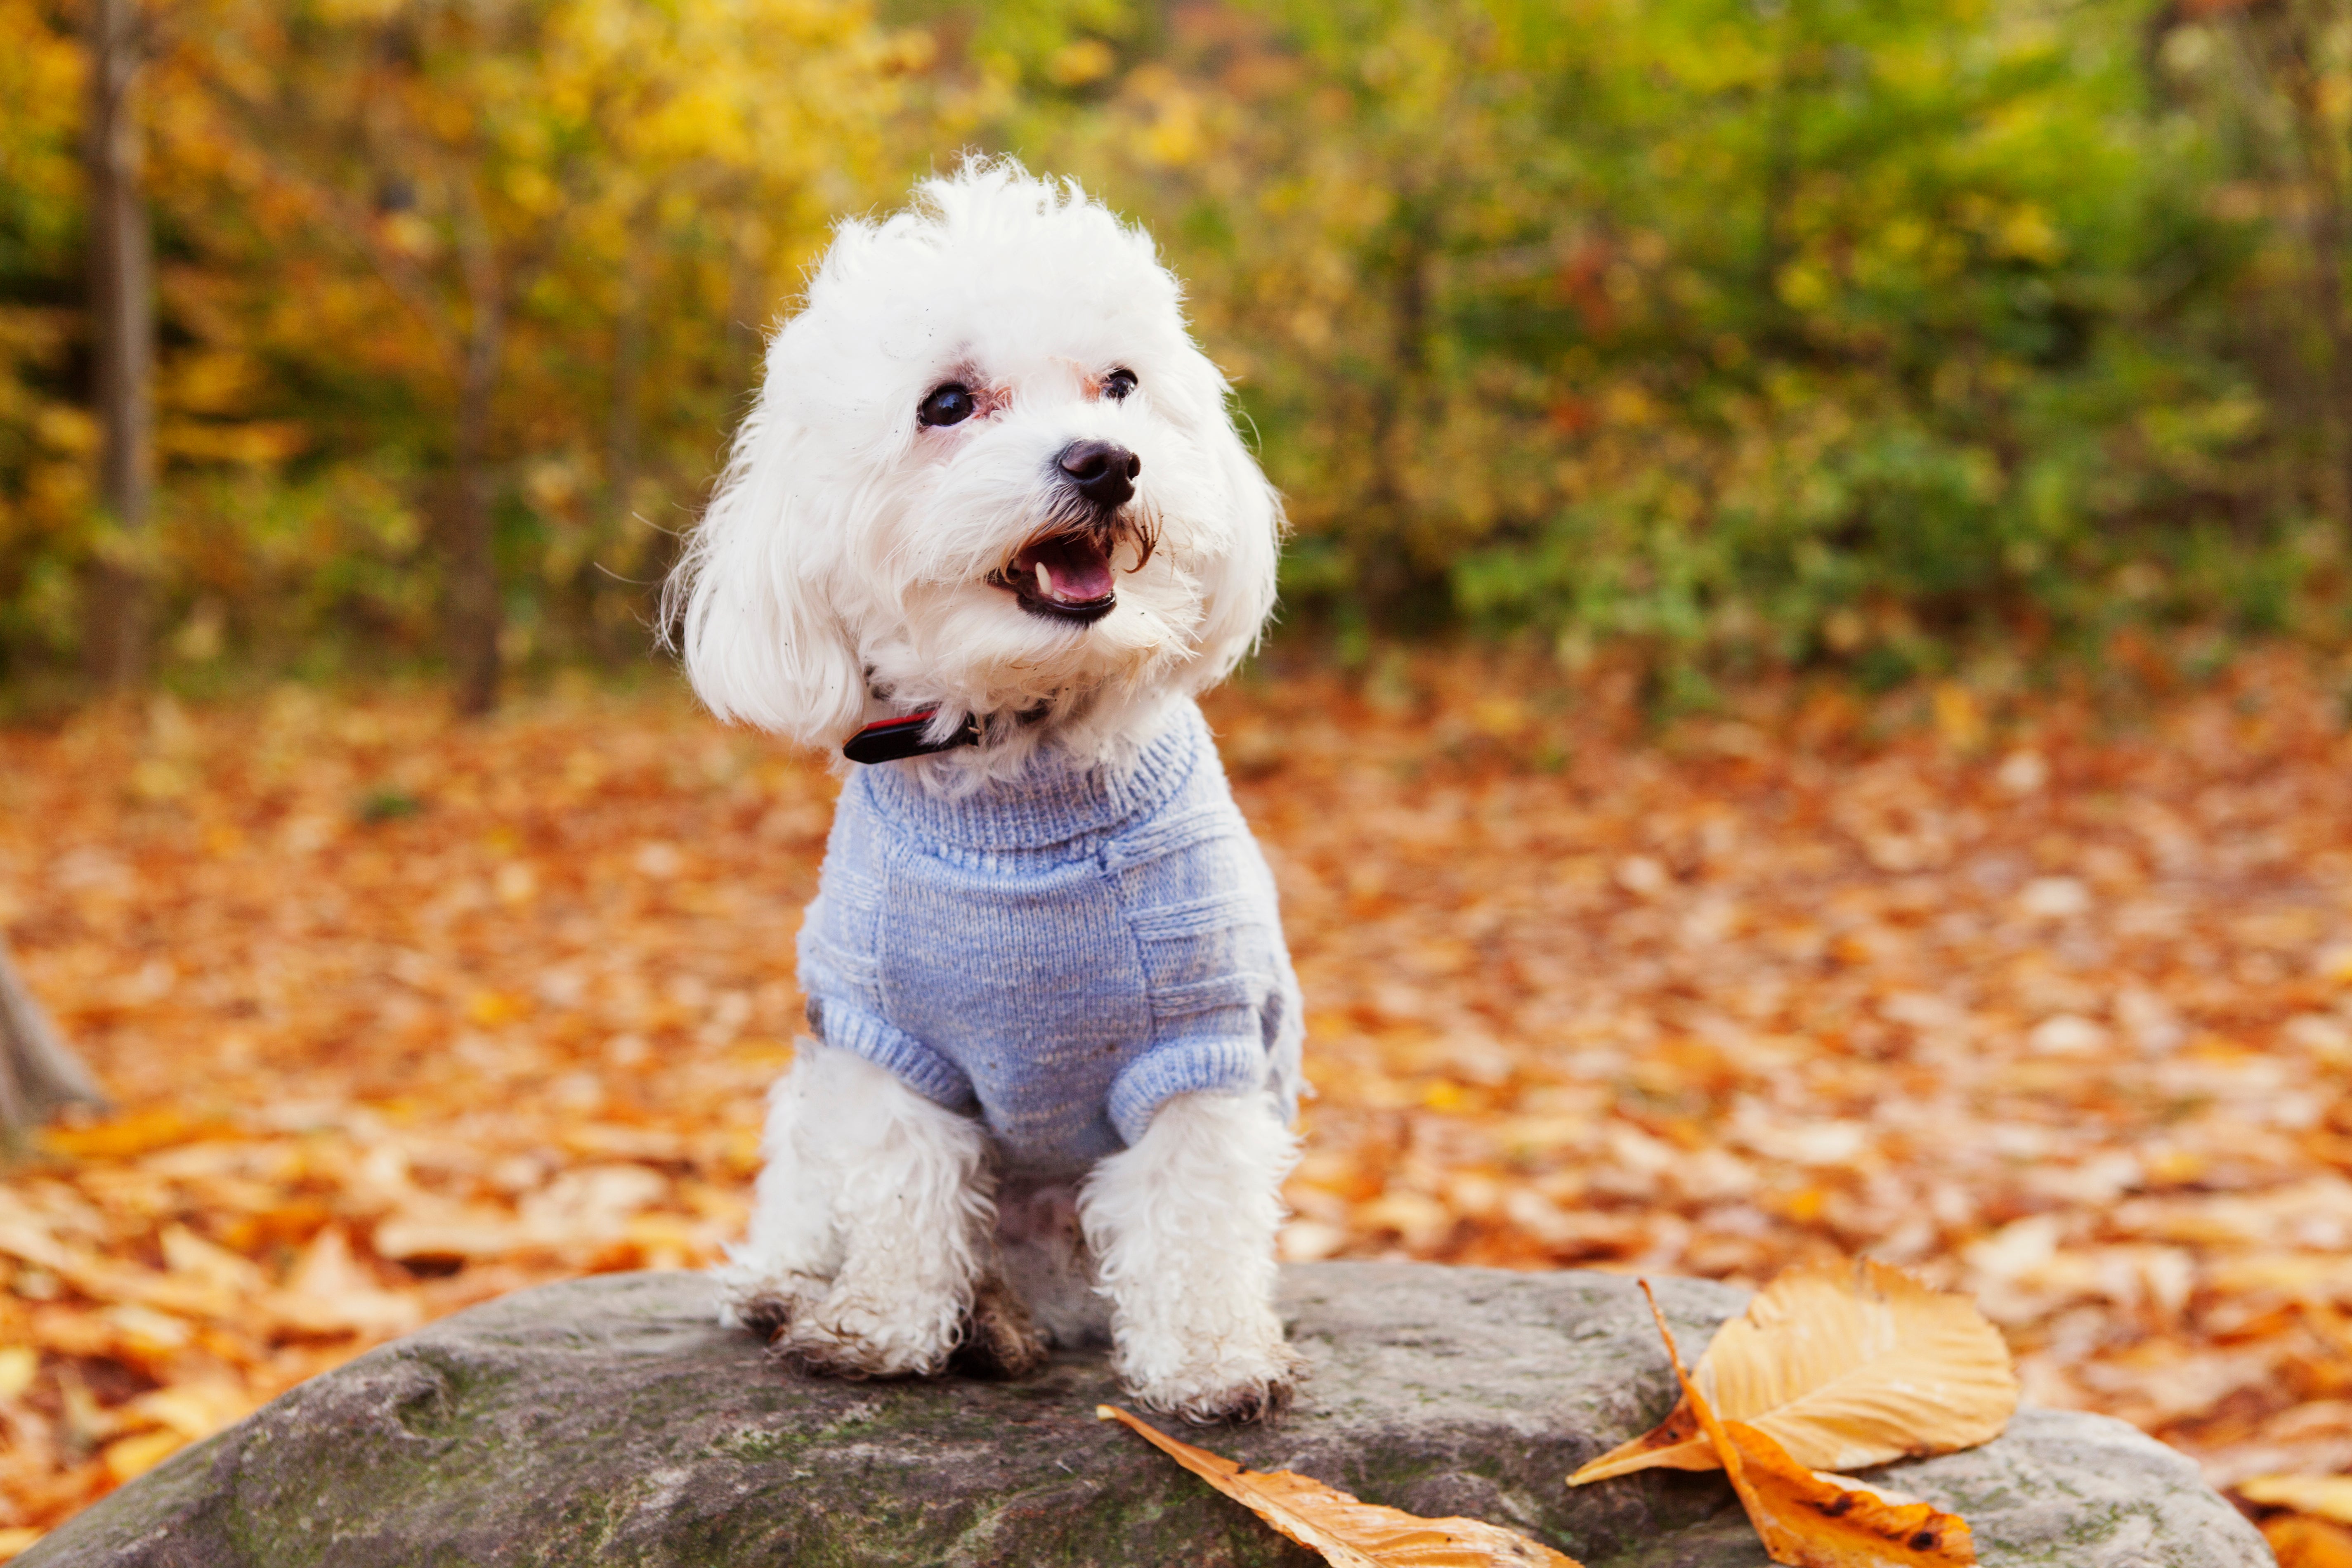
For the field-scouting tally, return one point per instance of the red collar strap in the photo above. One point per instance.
(891, 739)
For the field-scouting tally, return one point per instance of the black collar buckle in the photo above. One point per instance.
(893, 740)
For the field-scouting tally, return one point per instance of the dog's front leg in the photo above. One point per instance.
(789, 1260)
(1183, 1228)
(871, 1222)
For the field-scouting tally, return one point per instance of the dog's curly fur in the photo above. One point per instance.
(859, 562)
(843, 572)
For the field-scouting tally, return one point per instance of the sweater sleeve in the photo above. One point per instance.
(1223, 1001)
(1285, 1025)
(1229, 1064)
(840, 966)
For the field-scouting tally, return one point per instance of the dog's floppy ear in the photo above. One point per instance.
(748, 605)
(1241, 592)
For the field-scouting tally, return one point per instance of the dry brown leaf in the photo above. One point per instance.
(1804, 1520)
(1845, 1365)
(1349, 1533)
(2322, 1496)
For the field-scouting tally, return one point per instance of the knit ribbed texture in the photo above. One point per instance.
(1061, 952)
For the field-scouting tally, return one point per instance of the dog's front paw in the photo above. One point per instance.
(1000, 1339)
(1254, 1385)
(764, 1303)
(855, 1338)
(766, 1316)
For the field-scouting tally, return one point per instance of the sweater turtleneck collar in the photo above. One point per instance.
(1053, 800)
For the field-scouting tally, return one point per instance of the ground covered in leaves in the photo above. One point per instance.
(2046, 995)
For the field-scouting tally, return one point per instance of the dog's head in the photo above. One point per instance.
(988, 471)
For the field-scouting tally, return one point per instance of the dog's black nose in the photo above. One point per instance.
(1104, 471)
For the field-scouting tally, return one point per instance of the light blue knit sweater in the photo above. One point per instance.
(1061, 952)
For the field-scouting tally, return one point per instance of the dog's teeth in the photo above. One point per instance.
(1045, 581)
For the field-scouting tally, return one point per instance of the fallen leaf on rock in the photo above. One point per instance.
(2323, 1497)
(1892, 1496)
(1806, 1522)
(1844, 1365)
(1349, 1533)
(1812, 1522)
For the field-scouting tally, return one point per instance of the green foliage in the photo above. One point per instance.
(44, 437)
(1740, 331)
(410, 248)
(1749, 333)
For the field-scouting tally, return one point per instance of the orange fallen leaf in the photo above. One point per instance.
(1349, 1533)
(124, 1136)
(2302, 1542)
(331, 1292)
(2323, 1497)
(195, 1410)
(1809, 1522)
(129, 1457)
(1845, 1365)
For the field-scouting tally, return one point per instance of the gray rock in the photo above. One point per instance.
(607, 1421)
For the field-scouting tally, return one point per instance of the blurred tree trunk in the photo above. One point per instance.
(2298, 55)
(122, 299)
(623, 427)
(1386, 575)
(623, 432)
(2296, 52)
(38, 1073)
(473, 608)
(1776, 324)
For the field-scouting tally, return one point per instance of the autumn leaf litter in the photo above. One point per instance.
(2046, 1000)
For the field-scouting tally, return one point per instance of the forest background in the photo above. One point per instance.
(1729, 334)
(1818, 375)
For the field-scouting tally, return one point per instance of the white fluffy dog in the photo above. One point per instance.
(989, 530)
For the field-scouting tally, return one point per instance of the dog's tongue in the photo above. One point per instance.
(1072, 570)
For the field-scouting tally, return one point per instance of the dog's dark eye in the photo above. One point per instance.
(1118, 385)
(949, 404)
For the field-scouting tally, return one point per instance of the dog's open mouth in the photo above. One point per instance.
(1064, 577)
